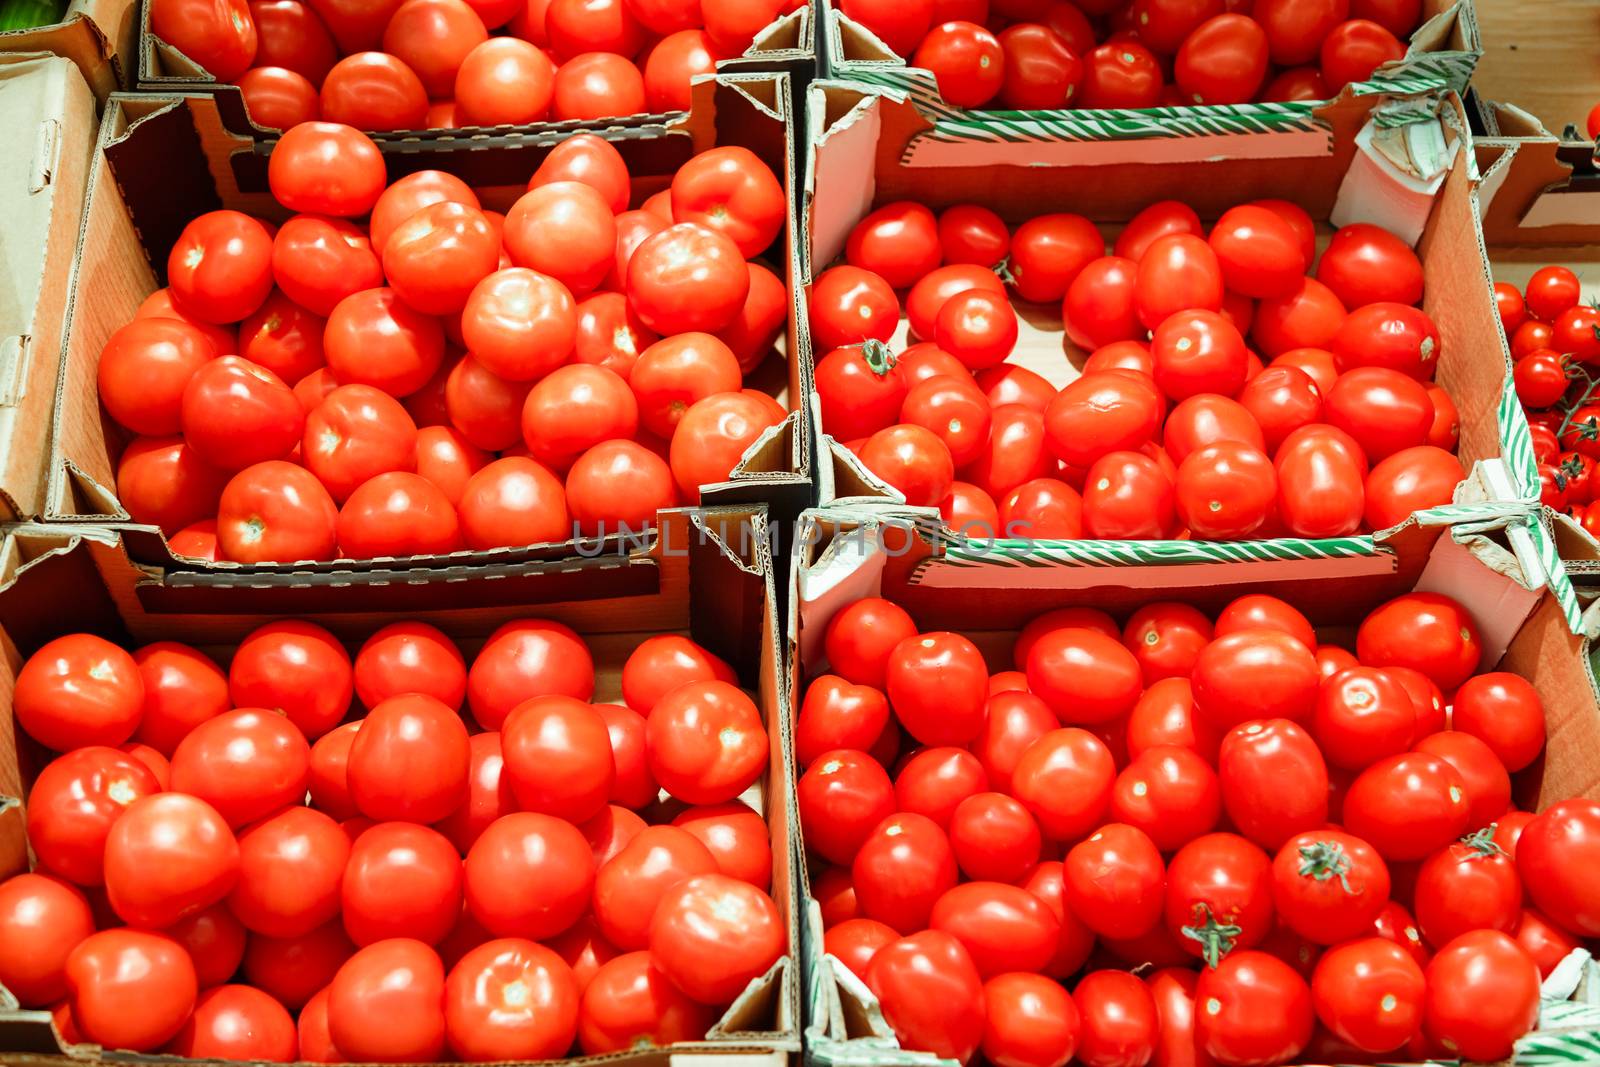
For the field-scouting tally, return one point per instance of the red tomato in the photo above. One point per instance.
(1012, 722)
(930, 993)
(860, 390)
(1410, 480)
(850, 305)
(899, 242)
(1505, 713)
(629, 886)
(731, 191)
(1383, 409)
(374, 91)
(236, 414)
(1223, 61)
(297, 668)
(373, 338)
(966, 61)
(527, 849)
(1064, 779)
(1482, 995)
(1128, 496)
(712, 935)
(1107, 411)
(1217, 881)
(1121, 74)
(913, 460)
(1363, 715)
(557, 753)
(247, 763)
(971, 234)
(1329, 886)
(129, 989)
(387, 1002)
(1254, 1010)
(1169, 793)
(629, 1001)
(1166, 638)
(1369, 993)
(1041, 70)
(1083, 676)
(1114, 880)
(1004, 928)
(1427, 632)
(937, 685)
(317, 262)
(1543, 941)
(705, 742)
(290, 869)
(43, 919)
(510, 999)
(935, 780)
(1296, 83)
(402, 880)
(901, 869)
(168, 856)
(597, 85)
(79, 690)
(861, 637)
(220, 37)
(1273, 780)
(900, 26)
(1178, 272)
(1320, 471)
(1550, 855)
(564, 230)
(1225, 491)
(73, 805)
(1117, 1017)
(687, 277)
(326, 168)
(1469, 885)
(1259, 252)
(713, 436)
(1407, 806)
(1310, 317)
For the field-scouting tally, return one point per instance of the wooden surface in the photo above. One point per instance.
(1543, 56)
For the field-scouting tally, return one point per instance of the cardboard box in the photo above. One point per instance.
(47, 118)
(1441, 53)
(785, 46)
(841, 557)
(1537, 67)
(1539, 199)
(714, 584)
(873, 149)
(160, 151)
(97, 35)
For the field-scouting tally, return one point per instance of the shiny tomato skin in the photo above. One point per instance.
(1100, 305)
(1259, 252)
(237, 1022)
(326, 168)
(1083, 676)
(1178, 272)
(1469, 885)
(1550, 855)
(1505, 712)
(73, 805)
(130, 989)
(1363, 715)
(1321, 474)
(1329, 886)
(43, 919)
(930, 993)
(1065, 779)
(1483, 994)
(1169, 793)
(1411, 480)
(902, 869)
(290, 867)
(1219, 879)
(247, 764)
(1428, 632)
(1121, 74)
(1274, 781)
(144, 369)
(1408, 806)
(527, 845)
(1252, 1010)
(387, 1003)
(402, 880)
(687, 277)
(1369, 992)
(79, 690)
(1310, 317)
(1223, 61)
(1225, 491)
(629, 1000)
(510, 999)
(1117, 1018)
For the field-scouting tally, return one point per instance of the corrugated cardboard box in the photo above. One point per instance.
(97, 35)
(1411, 172)
(713, 582)
(786, 46)
(1442, 53)
(47, 122)
(160, 151)
(841, 558)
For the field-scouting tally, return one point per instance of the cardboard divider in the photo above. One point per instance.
(159, 152)
(1539, 58)
(98, 36)
(785, 46)
(1443, 51)
(1539, 210)
(716, 587)
(841, 557)
(47, 117)
(864, 157)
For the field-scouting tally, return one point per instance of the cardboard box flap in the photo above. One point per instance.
(97, 36)
(47, 121)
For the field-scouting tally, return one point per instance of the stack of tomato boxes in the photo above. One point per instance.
(561, 539)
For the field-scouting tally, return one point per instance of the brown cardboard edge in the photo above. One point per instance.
(98, 51)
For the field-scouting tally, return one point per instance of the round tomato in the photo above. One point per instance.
(1551, 853)
(1219, 895)
(1223, 61)
(130, 989)
(1252, 1010)
(1225, 491)
(387, 1002)
(326, 168)
(43, 919)
(1121, 74)
(290, 869)
(1118, 1019)
(1407, 806)
(529, 875)
(1065, 779)
(1428, 632)
(1329, 886)
(1369, 992)
(902, 869)
(1482, 995)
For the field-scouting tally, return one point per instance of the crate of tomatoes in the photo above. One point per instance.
(1061, 74)
(1274, 359)
(452, 69)
(330, 355)
(1539, 221)
(1336, 822)
(541, 832)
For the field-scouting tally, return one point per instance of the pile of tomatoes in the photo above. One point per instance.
(1555, 346)
(1174, 428)
(417, 64)
(335, 387)
(1179, 840)
(1050, 54)
(502, 889)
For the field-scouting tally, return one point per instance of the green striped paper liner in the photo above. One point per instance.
(1111, 124)
(1516, 451)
